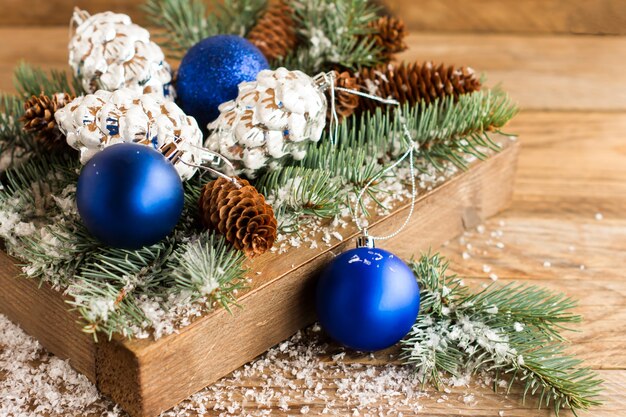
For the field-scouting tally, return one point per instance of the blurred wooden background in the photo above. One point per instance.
(547, 38)
(495, 16)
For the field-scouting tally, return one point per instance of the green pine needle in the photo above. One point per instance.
(332, 35)
(184, 23)
(513, 330)
(30, 81)
(111, 288)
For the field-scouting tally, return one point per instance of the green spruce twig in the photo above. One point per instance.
(513, 330)
(31, 81)
(184, 23)
(332, 34)
(114, 290)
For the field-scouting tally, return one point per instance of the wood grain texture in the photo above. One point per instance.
(59, 12)
(540, 72)
(513, 16)
(495, 16)
(43, 312)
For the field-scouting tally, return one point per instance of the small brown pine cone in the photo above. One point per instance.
(345, 103)
(414, 83)
(240, 214)
(389, 34)
(38, 118)
(274, 34)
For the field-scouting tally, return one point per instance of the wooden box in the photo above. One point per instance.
(147, 377)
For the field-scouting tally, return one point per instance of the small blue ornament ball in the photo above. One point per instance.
(211, 71)
(367, 299)
(129, 196)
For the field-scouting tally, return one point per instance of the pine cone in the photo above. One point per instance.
(345, 103)
(389, 34)
(274, 34)
(240, 214)
(38, 118)
(416, 82)
(95, 121)
(107, 51)
(254, 132)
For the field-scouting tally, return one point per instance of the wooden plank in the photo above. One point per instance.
(521, 16)
(530, 17)
(147, 377)
(43, 312)
(574, 159)
(540, 72)
(59, 12)
(453, 402)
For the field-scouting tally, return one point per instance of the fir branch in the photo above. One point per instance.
(512, 330)
(209, 267)
(186, 22)
(30, 81)
(354, 168)
(445, 130)
(114, 290)
(16, 145)
(103, 289)
(300, 193)
(332, 34)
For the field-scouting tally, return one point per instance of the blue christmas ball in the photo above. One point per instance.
(367, 299)
(211, 71)
(129, 196)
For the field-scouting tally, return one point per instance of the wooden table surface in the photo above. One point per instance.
(566, 229)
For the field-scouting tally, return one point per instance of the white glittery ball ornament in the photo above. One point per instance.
(96, 121)
(272, 118)
(108, 52)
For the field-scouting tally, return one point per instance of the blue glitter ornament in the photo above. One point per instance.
(367, 299)
(211, 71)
(129, 196)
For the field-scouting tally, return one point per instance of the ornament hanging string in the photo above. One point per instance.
(217, 157)
(409, 153)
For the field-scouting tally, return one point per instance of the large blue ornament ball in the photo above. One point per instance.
(367, 299)
(129, 196)
(211, 71)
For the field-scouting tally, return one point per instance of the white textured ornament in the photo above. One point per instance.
(108, 52)
(95, 121)
(271, 118)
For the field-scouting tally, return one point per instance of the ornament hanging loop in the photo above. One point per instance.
(327, 81)
(214, 159)
(365, 241)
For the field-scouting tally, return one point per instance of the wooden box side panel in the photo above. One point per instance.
(176, 366)
(184, 364)
(481, 192)
(43, 313)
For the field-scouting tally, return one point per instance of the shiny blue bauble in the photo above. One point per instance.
(367, 299)
(129, 196)
(211, 71)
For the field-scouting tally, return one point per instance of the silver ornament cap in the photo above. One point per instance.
(365, 241)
